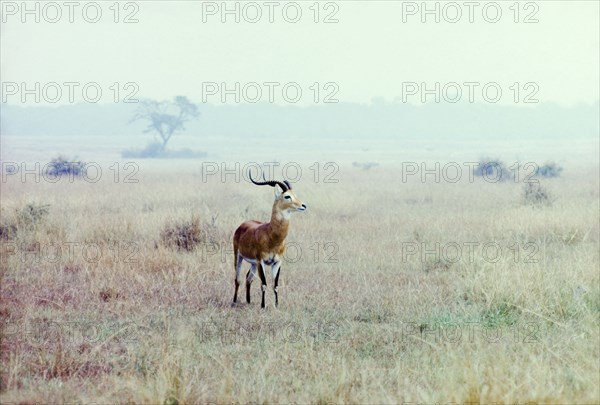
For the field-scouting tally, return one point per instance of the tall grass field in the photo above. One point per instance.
(393, 289)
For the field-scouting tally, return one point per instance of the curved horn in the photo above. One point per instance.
(271, 183)
(287, 183)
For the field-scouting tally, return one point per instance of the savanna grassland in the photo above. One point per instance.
(393, 292)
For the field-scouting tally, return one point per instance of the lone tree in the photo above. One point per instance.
(166, 117)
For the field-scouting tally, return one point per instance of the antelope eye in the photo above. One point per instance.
(287, 197)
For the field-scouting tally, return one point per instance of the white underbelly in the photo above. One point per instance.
(251, 261)
(268, 262)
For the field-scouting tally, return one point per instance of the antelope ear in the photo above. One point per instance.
(277, 193)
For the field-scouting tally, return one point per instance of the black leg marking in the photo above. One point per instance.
(237, 285)
(263, 279)
(276, 284)
(248, 288)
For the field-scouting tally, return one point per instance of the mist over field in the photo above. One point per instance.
(390, 132)
(441, 216)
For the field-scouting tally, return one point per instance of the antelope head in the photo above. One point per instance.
(286, 201)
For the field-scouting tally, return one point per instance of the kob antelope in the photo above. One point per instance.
(263, 244)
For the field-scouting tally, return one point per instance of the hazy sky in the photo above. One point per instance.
(375, 49)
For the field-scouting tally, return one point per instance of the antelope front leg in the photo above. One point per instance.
(249, 278)
(238, 270)
(276, 270)
(237, 285)
(261, 274)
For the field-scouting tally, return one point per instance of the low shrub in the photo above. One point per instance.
(27, 218)
(182, 235)
(61, 165)
(550, 169)
(493, 170)
(537, 195)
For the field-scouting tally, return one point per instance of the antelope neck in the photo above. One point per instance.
(278, 227)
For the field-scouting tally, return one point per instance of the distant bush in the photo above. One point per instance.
(550, 169)
(151, 150)
(365, 165)
(9, 168)
(185, 153)
(155, 150)
(63, 166)
(493, 170)
(537, 195)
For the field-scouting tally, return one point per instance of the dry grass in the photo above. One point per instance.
(120, 316)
